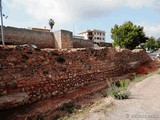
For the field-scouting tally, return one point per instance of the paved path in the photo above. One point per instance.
(144, 104)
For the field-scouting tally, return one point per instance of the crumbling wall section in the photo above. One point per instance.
(29, 75)
(59, 39)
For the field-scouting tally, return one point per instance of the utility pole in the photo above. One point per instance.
(3, 43)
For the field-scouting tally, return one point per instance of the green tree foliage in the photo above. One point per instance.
(151, 44)
(158, 43)
(51, 23)
(128, 35)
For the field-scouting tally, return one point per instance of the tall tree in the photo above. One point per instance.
(128, 35)
(51, 23)
(151, 44)
(158, 43)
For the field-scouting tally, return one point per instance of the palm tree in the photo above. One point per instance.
(51, 23)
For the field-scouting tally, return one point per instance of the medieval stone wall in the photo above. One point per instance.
(61, 39)
(80, 43)
(19, 36)
(29, 75)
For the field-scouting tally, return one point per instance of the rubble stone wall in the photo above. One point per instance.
(31, 75)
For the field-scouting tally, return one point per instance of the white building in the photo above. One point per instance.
(94, 35)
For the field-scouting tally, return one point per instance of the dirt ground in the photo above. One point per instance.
(144, 104)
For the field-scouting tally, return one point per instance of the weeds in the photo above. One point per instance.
(119, 90)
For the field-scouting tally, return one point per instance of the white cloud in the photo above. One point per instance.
(151, 29)
(63, 11)
(140, 3)
(67, 10)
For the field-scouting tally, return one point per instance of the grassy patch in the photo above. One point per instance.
(120, 90)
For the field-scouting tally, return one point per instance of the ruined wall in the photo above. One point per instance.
(63, 39)
(19, 36)
(28, 76)
(80, 43)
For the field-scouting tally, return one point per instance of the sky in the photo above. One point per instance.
(80, 15)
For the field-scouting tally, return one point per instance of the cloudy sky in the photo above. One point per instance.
(79, 15)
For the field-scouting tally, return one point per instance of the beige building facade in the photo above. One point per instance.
(94, 35)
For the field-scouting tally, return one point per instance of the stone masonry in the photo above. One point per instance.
(20, 36)
(30, 75)
(61, 39)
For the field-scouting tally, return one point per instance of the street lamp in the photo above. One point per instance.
(3, 43)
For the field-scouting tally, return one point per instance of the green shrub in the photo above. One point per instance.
(124, 83)
(119, 91)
